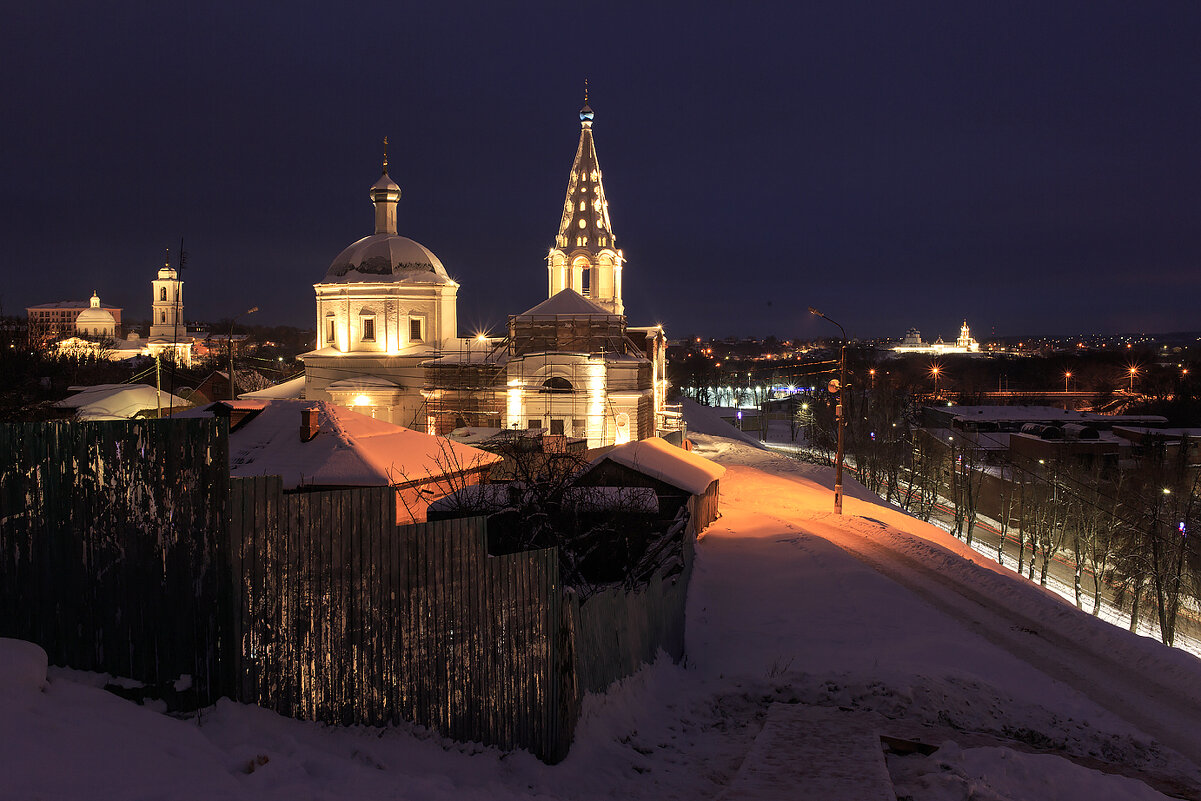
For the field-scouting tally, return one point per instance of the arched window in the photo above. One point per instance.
(162, 293)
(556, 384)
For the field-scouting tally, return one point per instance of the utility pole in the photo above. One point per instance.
(251, 310)
(181, 259)
(839, 414)
(158, 385)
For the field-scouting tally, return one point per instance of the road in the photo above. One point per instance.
(1060, 572)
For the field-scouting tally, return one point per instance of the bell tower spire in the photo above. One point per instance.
(585, 256)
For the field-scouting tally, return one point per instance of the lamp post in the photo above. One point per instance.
(251, 310)
(840, 417)
(934, 371)
(1066, 377)
(1133, 372)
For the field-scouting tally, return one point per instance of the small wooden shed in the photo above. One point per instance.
(677, 476)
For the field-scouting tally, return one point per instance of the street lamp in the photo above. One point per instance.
(251, 310)
(872, 373)
(934, 371)
(841, 419)
(1133, 373)
(1066, 377)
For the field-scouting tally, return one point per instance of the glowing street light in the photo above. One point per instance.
(1066, 376)
(841, 388)
(934, 371)
(1133, 373)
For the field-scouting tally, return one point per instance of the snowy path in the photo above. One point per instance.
(1151, 688)
(1166, 713)
(813, 752)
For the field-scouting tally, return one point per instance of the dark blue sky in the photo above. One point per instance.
(1035, 167)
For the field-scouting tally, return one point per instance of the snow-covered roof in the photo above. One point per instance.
(474, 434)
(292, 388)
(117, 401)
(387, 258)
(350, 449)
(364, 382)
(1049, 414)
(659, 459)
(494, 497)
(567, 303)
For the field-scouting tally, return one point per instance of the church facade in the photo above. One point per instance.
(386, 321)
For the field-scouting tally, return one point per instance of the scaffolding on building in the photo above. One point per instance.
(550, 372)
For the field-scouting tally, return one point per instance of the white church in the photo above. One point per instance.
(389, 343)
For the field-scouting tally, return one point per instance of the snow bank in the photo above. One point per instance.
(952, 773)
(706, 420)
(22, 668)
(659, 459)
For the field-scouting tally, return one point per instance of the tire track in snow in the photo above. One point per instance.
(1139, 700)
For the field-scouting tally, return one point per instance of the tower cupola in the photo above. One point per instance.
(385, 194)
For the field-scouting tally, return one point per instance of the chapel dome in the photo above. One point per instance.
(384, 258)
(94, 317)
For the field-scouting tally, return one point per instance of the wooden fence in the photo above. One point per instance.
(110, 548)
(618, 631)
(125, 548)
(347, 618)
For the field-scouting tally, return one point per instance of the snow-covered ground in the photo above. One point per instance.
(805, 630)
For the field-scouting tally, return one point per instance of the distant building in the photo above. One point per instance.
(53, 320)
(912, 343)
(94, 329)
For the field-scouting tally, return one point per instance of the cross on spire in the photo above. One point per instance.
(385, 155)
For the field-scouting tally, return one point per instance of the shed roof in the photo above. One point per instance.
(657, 458)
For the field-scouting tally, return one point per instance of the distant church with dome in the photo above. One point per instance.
(912, 343)
(388, 340)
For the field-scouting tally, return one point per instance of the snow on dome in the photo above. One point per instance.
(659, 459)
(94, 316)
(387, 258)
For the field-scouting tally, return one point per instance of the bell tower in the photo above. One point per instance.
(167, 307)
(585, 256)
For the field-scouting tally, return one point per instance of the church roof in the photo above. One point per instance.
(585, 188)
(387, 258)
(567, 303)
(95, 316)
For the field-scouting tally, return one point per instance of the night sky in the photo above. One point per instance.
(1034, 167)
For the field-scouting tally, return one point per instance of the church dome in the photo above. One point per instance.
(95, 320)
(95, 317)
(384, 258)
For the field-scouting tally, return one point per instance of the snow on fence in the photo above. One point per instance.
(110, 546)
(347, 618)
